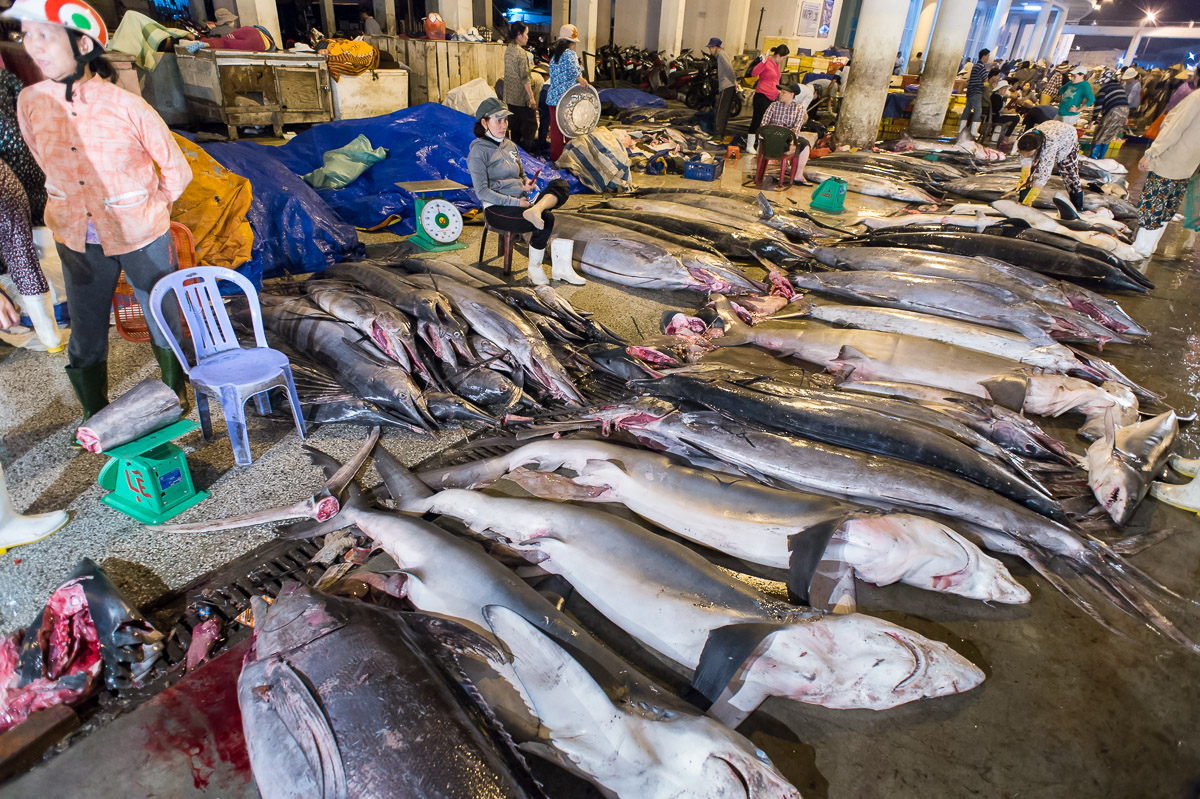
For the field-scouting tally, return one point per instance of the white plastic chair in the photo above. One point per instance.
(224, 369)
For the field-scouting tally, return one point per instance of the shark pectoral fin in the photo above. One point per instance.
(1008, 391)
(724, 653)
(443, 631)
(818, 575)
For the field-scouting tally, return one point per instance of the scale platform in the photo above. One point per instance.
(149, 479)
(438, 222)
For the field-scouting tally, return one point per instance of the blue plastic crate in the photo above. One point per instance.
(697, 170)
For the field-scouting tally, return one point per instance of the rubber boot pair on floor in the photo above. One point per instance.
(561, 253)
(90, 383)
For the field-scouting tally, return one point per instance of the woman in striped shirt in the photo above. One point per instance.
(1112, 102)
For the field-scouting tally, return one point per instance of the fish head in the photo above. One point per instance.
(699, 750)
(1112, 475)
(858, 661)
(921, 552)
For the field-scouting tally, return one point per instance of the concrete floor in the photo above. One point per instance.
(1067, 710)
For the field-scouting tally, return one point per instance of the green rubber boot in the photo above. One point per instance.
(91, 386)
(172, 374)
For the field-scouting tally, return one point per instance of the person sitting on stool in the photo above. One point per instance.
(1051, 145)
(787, 113)
(501, 186)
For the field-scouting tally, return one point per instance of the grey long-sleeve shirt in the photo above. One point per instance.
(726, 79)
(496, 171)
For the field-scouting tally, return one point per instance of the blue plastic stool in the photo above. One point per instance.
(224, 369)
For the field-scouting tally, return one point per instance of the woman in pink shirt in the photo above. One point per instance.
(768, 71)
(113, 170)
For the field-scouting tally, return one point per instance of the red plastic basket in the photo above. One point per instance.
(131, 322)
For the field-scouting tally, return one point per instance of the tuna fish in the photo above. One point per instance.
(719, 207)
(148, 406)
(870, 185)
(390, 329)
(343, 699)
(1041, 221)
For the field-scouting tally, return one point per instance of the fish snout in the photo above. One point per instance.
(935, 669)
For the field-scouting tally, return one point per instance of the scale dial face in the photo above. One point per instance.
(441, 221)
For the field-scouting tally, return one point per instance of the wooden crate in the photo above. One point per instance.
(437, 67)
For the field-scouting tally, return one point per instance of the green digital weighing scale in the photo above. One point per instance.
(439, 224)
(149, 479)
(830, 196)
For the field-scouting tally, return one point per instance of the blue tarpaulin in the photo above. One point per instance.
(631, 98)
(426, 142)
(294, 229)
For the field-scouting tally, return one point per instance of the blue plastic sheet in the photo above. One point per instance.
(426, 142)
(631, 98)
(294, 229)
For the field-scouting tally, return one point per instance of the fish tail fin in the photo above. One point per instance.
(768, 210)
(403, 485)
(1066, 210)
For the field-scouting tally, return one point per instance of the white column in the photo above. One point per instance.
(385, 15)
(670, 26)
(733, 26)
(1052, 40)
(1039, 34)
(999, 20)
(328, 20)
(457, 14)
(585, 17)
(1062, 49)
(950, 32)
(880, 29)
(560, 14)
(920, 44)
(1134, 43)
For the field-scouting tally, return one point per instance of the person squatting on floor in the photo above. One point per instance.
(1050, 146)
(113, 170)
(1169, 164)
(501, 185)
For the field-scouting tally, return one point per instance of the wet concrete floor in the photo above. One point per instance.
(1068, 709)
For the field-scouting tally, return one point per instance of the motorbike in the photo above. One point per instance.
(702, 89)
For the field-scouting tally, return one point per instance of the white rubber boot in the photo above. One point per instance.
(750, 137)
(1146, 241)
(38, 308)
(1183, 496)
(975, 129)
(537, 274)
(561, 255)
(16, 529)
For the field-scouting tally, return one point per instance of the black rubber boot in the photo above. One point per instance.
(91, 386)
(1077, 200)
(172, 374)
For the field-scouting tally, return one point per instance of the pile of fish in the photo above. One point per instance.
(420, 343)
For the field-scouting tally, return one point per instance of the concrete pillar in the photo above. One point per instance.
(670, 26)
(198, 12)
(1056, 32)
(920, 43)
(457, 14)
(1039, 34)
(1134, 44)
(481, 10)
(328, 20)
(385, 15)
(736, 24)
(1062, 49)
(997, 23)
(560, 14)
(941, 66)
(585, 17)
(261, 12)
(880, 29)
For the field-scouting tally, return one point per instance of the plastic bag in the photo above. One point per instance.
(344, 165)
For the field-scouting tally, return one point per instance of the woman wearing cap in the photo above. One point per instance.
(1051, 145)
(1075, 95)
(726, 86)
(501, 185)
(1169, 164)
(768, 71)
(1113, 104)
(112, 172)
(1133, 88)
(564, 73)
